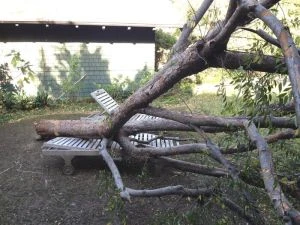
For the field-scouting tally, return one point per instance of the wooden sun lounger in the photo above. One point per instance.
(110, 105)
(69, 147)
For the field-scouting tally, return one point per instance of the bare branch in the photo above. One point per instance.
(217, 121)
(268, 3)
(240, 211)
(188, 63)
(281, 204)
(114, 170)
(157, 151)
(267, 37)
(168, 125)
(216, 154)
(170, 190)
(222, 38)
(264, 35)
(281, 135)
(230, 10)
(188, 28)
(147, 142)
(193, 167)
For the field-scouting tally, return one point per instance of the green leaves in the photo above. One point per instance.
(164, 40)
(256, 92)
(12, 95)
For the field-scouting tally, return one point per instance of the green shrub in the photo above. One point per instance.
(41, 100)
(121, 89)
(12, 96)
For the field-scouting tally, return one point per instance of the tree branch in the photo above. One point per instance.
(114, 170)
(281, 135)
(230, 10)
(290, 52)
(240, 211)
(193, 167)
(217, 121)
(220, 41)
(145, 152)
(274, 191)
(170, 190)
(264, 35)
(236, 60)
(188, 27)
(216, 154)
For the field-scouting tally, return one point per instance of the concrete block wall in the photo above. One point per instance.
(101, 62)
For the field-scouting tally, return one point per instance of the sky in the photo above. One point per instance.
(129, 11)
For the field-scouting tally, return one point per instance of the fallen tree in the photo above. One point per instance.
(187, 59)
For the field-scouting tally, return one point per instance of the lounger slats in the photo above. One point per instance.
(73, 144)
(109, 105)
(105, 100)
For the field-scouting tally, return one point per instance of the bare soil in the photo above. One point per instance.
(33, 189)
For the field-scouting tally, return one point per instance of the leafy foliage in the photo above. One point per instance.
(12, 95)
(163, 43)
(121, 88)
(164, 40)
(256, 92)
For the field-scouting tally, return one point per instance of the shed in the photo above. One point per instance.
(107, 40)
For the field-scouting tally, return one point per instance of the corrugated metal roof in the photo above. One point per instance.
(149, 13)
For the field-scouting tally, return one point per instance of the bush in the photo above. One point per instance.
(7, 89)
(121, 89)
(41, 100)
(13, 97)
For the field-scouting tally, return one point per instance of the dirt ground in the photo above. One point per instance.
(33, 189)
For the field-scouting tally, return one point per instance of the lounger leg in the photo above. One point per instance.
(68, 168)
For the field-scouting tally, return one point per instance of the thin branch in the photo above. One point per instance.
(170, 190)
(268, 3)
(188, 28)
(193, 167)
(240, 211)
(147, 142)
(281, 135)
(272, 138)
(222, 38)
(114, 170)
(216, 154)
(129, 148)
(267, 37)
(264, 35)
(230, 10)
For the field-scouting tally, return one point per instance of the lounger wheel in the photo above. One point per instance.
(68, 170)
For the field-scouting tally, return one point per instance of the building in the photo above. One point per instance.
(104, 40)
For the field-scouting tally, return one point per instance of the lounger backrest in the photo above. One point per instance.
(109, 105)
(105, 100)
